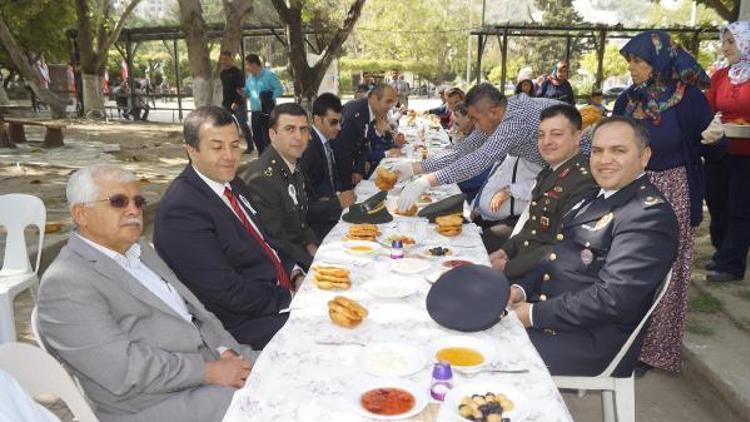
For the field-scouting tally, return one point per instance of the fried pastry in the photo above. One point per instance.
(409, 212)
(346, 312)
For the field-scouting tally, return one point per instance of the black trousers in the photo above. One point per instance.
(493, 241)
(259, 122)
(730, 201)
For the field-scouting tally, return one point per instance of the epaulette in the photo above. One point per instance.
(649, 197)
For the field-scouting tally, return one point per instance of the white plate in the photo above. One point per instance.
(478, 344)
(449, 408)
(445, 260)
(733, 130)
(419, 393)
(390, 289)
(348, 246)
(392, 359)
(410, 265)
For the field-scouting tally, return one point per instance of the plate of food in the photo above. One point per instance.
(481, 400)
(388, 398)
(465, 353)
(360, 246)
(392, 359)
(406, 241)
(737, 129)
(436, 252)
(410, 266)
(451, 263)
(425, 199)
(389, 289)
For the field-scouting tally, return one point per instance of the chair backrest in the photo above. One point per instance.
(39, 373)
(35, 330)
(17, 211)
(625, 347)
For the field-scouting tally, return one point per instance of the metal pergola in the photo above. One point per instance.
(130, 38)
(598, 33)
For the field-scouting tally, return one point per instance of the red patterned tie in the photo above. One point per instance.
(280, 273)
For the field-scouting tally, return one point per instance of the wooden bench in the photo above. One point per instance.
(53, 136)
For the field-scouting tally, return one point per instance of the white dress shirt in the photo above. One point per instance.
(131, 262)
(519, 187)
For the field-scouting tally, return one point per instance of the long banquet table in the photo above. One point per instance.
(307, 371)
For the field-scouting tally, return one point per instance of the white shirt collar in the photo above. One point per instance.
(372, 115)
(323, 139)
(557, 166)
(213, 184)
(132, 255)
(608, 193)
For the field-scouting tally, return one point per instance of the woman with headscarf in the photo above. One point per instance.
(526, 86)
(665, 97)
(557, 86)
(726, 196)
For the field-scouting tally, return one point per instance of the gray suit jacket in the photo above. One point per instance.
(129, 349)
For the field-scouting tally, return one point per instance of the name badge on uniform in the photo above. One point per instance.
(293, 194)
(247, 204)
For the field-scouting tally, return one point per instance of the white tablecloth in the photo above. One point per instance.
(297, 379)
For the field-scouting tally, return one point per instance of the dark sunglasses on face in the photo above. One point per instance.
(122, 201)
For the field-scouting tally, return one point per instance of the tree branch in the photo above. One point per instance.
(282, 10)
(101, 54)
(334, 45)
(721, 8)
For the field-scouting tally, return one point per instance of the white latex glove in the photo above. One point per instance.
(714, 131)
(404, 170)
(412, 192)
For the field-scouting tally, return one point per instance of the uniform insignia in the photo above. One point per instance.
(558, 189)
(564, 173)
(651, 200)
(273, 161)
(551, 194)
(293, 194)
(587, 257)
(268, 172)
(544, 222)
(604, 221)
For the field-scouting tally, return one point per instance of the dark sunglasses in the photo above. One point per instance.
(122, 201)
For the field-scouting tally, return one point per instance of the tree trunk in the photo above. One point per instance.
(93, 99)
(56, 103)
(234, 14)
(3, 95)
(4, 138)
(307, 79)
(194, 27)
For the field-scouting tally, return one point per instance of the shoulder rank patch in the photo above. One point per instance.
(564, 172)
(651, 200)
(268, 172)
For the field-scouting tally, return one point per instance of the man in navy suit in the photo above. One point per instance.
(207, 230)
(615, 249)
(325, 201)
(352, 145)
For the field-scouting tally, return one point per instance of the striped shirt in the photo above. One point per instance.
(515, 135)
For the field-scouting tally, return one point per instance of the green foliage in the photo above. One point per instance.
(613, 65)
(38, 26)
(705, 303)
(427, 37)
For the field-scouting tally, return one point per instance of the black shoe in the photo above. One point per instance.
(710, 265)
(641, 368)
(721, 277)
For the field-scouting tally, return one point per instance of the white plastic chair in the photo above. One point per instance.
(618, 394)
(39, 373)
(17, 211)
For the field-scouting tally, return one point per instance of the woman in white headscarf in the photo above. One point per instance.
(727, 177)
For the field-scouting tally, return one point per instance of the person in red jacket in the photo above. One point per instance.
(726, 196)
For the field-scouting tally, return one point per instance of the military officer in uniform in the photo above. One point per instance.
(277, 184)
(559, 186)
(596, 284)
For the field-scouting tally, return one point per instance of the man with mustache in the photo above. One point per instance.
(142, 345)
(277, 183)
(593, 288)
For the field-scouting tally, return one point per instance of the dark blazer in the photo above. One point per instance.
(554, 194)
(323, 207)
(351, 147)
(271, 183)
(600, 279)
(210, 250)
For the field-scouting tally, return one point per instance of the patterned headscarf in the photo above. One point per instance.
(740, 71)
(553, 75)
(673, 70)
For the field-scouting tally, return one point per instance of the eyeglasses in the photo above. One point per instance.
(122, 201)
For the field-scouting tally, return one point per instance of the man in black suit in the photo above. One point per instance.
(232, 85)
(208, 232)
(615, 249)
(325, 201)
(359, 119)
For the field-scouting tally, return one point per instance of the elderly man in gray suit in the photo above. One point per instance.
(143, 346)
